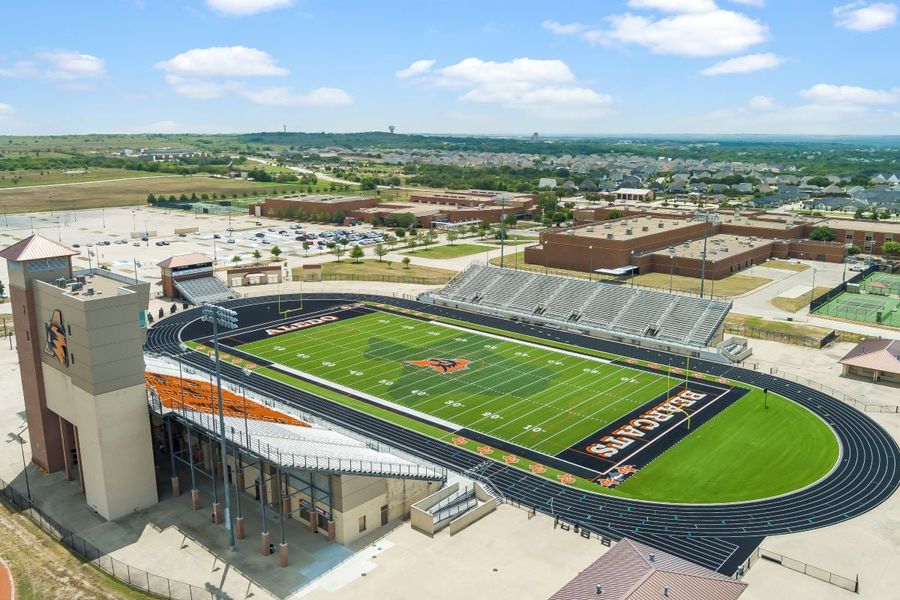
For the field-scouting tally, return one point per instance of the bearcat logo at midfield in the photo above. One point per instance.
(441, 365)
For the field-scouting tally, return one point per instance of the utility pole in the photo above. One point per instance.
(219, 315)
(703, 254)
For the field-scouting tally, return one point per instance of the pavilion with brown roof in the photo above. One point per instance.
(878, 360)
(635, 571)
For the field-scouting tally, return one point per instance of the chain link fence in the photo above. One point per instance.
(851, 585)
(133, 577)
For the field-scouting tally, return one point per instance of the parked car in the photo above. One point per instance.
(216, 236)
(230, 240)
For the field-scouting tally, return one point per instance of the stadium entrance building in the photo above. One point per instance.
(79, 338)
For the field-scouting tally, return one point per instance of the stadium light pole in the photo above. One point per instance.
(591, 263)
(219, 315)
(703, 254)
(813, 290)
(846, 256)
(671, 266)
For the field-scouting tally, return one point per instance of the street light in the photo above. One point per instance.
(18, 437)
(219, 315)
(671, 266)
(591, 264)
(846, 256)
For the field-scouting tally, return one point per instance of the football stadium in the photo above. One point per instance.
(604, 411)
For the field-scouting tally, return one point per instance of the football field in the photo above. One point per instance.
(531, 396)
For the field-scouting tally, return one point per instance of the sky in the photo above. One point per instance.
(586, 67)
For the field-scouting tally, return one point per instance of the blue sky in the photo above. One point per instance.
(493, 66)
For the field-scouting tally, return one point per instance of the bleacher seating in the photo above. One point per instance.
(597, 305)
(204, 290)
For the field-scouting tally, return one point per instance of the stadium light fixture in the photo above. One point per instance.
(18, 438)
(227, 318)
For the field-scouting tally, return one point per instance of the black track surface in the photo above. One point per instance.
(717, 536)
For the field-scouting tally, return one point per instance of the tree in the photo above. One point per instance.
(357, 253)
(2, 290)
(338, 217)
(257, 255)
(338, 251)
(614, 214)
(853, 250)
(276, 252)
(452, 236)
(236, 259)
(400, 232)
(305, 248)
(405, 262)
(510, 220)
(822, 233)
(380, 251)
(891, 248)
(819, 181)
(151, 199)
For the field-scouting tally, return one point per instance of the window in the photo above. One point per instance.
(384, 514)
(849, 237)
(362, 523)
(72, 358)
(69, 330)
(869, 237)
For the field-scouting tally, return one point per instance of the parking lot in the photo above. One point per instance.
(131, 239)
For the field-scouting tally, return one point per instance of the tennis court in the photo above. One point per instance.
(882, 284)
(864, 308)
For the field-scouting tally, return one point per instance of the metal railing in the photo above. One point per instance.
(131, 576)
(799, 566)
(209, 422)
(873, 408)
(426, 469)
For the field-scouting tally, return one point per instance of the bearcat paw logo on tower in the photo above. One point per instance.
(57, 345)
(441, 365)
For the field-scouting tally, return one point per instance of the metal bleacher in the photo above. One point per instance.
(204, 290)
(592, 305)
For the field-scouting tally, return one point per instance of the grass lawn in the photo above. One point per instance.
(454, 251)
(784, 265)
(131, 192)
(47, 569)
(745, 452)
(541, 399)
(379, 270)
(795, 304)
(733, 285)
(18, 179)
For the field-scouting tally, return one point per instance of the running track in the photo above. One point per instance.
(716, 536)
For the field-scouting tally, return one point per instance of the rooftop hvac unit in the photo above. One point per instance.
(570, 232)
(628, 232)
(725, 249)
(609, 236)
(660, 225)
(590, 229)
(89, 291)
(645, 228)
(607, 226)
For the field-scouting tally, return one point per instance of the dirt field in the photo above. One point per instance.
(42, 568)
(127, 192)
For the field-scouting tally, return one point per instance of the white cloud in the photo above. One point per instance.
(57, 65)
(208, 73)
(676, 6)
(862, 16)
(6, 110)
(230, 61)
(744, 64)
(417, 68)
(564, 28)
(713, 33)
(320, 97)
(848, 95)
(761, 103)
(241, 8)
(750, 2)
(545, 87)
